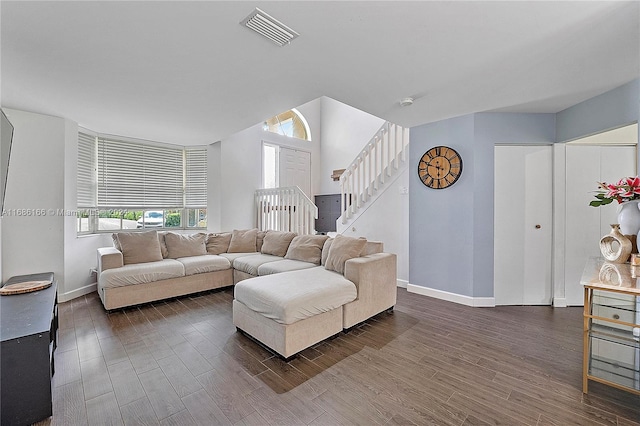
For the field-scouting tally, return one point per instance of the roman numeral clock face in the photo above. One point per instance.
(440, 167)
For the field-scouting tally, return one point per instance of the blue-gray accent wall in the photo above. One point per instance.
(451, 230)
(615, 108)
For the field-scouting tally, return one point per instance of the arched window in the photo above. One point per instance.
(289, 123)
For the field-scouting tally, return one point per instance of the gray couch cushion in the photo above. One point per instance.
(284, 265)
(205, 263)
(250, 264)
(140, 273)
(296, 295)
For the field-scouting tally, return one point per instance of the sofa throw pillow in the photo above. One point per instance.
(116, 242)
(185, 245)
(260, 240)
(218, 243)
(243, 241)
(342, 249)
(307, 248)
(163, 244)
(139, 247)
(325, 251)
(276, 243)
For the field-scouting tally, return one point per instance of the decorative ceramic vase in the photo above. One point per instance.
(615, 247)
(629, 217)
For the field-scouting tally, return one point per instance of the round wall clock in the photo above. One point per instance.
(440, 167)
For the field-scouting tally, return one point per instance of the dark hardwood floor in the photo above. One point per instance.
(431, 362)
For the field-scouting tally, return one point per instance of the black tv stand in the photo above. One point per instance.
(28, 334)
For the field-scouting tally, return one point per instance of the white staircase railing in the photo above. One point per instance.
(285, 209)
(376, 163)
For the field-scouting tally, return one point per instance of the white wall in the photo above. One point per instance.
(33, 243)
(214, 186)
(241, 168)
(345, 131)
(387, 219)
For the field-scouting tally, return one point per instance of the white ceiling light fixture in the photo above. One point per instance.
(269, 27)
(406, 102)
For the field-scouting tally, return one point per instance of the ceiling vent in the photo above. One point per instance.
(269, 27)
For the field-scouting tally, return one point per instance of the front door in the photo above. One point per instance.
(295, 169)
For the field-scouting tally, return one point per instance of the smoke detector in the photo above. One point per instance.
(406, 102)
(269, 27)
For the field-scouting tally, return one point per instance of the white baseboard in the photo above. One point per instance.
(559, 302)
(402, 283)
(477, 302)
(65, 297)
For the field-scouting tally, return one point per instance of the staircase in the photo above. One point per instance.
(285, 209)
(378, 163)
(376, 166)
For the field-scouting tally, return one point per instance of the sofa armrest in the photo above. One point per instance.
(109, 258)
(375, 278)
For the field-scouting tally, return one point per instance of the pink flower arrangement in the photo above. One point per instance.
(626, 189)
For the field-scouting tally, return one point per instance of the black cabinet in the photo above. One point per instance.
(28, 334)
(328, 212)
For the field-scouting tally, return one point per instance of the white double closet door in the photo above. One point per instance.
(586, 165)
(523, 224)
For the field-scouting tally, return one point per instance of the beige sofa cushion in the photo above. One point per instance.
(284, 265)
(249, 264)
(218, 243)
(325, 251)
(307, 248)
(205, 263)
(163, 244)
(139, 247)
(184, 245)
(296, 295)
(141, 273)
(243, 241)
(260, 240)
(342, 249)
(277, 242)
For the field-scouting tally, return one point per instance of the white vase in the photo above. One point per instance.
(629, 217)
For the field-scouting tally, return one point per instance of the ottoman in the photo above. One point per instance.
(289, 312)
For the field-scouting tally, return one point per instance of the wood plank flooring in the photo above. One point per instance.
(431, 362)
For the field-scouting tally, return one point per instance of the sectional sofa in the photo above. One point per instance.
(291, 291)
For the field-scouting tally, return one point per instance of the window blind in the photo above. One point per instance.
(86, 180)
(137, 175)
(195, 177)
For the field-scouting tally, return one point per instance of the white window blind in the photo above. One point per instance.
(137, 175)
(86, 180)
(196, 177)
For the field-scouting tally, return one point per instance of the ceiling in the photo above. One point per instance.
(188, 73)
